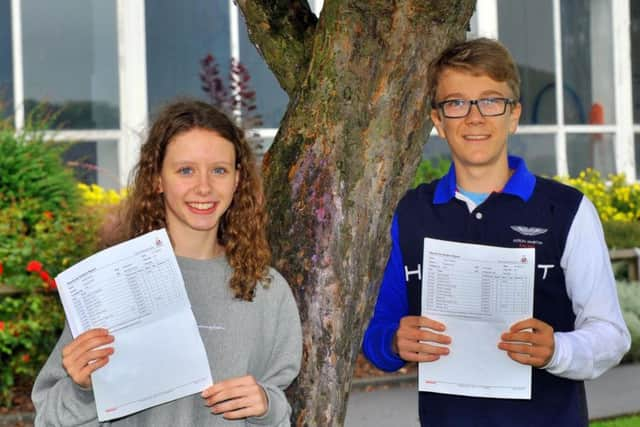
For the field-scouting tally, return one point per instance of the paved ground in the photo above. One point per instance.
(617, 392)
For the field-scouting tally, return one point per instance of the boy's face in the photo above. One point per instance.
(474, 140)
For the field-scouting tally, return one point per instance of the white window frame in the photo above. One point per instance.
(16, 57)
(132, 74)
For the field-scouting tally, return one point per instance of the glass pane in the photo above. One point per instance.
(538, 151)
(590, 151)
(271, 100)
(436, 148)
(526, 28)
(179, 35)
(82, 158)
(635, 59)
(94, 162)
(587, 61)
(637, 150)
(107, 164)
(6, 63)
(70, 62)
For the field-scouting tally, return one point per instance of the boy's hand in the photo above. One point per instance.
(413, 343)
(237, 398)
(82, 356)
(529, 342)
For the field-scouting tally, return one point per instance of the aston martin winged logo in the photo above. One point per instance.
(529, 231)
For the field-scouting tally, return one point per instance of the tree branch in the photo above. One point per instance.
(282, 31)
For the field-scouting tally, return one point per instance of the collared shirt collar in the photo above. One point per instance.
(520, 184)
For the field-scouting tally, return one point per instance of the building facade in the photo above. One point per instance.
(102, 67)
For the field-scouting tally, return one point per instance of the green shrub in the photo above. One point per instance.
(621, 235)
(44, 228)
(429, 170)
(629, 295)
(31, 169)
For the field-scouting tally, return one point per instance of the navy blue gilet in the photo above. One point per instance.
(501, 221)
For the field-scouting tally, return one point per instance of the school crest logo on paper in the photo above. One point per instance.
(529, 231)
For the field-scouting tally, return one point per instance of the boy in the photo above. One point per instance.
(490, 198)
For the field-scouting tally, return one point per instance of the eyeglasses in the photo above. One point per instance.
(488, 107)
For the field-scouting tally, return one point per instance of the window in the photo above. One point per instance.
(538, 150)
(436, 148)
(6, 63)
(573, 82)
(587, 62)
(635, 57)
(178, 36)
(526, 29)
(590, 150)
(84, 157)
(580, 89)
(70, 62)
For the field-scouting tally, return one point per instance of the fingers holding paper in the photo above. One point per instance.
(529, 342)
(237, 398)
(420, 339)
(85, 354)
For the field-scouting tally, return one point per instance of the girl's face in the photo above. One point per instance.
(198, 179)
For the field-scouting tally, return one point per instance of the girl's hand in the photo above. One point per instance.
(82, 356)
(237, 398)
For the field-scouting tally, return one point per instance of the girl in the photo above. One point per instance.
(196, 177)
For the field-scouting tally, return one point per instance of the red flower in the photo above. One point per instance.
(47, 214)
(26, 358)
(34, 266)
(1, 326)
(45, 276)
(52, 284)
(1, 269)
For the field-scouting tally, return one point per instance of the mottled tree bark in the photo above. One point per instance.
(346, 151)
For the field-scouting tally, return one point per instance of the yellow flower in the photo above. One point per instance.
(94, 195)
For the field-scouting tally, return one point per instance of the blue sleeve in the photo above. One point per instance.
(391, 306)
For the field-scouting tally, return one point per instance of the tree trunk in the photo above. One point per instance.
(346, 151)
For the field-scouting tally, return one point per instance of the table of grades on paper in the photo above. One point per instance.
(138, 288)
(472, 286)
(123, 292)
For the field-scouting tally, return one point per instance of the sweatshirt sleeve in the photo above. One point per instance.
(600, 337)
(391, 306)
(57, 399)
(284, 360)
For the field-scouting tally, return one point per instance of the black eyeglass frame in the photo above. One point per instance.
(471, 103)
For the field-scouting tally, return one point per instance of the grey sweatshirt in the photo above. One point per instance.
(260, 338)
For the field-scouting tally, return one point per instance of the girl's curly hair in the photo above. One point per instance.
(242, 228)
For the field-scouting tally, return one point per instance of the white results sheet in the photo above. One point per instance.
(136, 291)
(478, 292)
